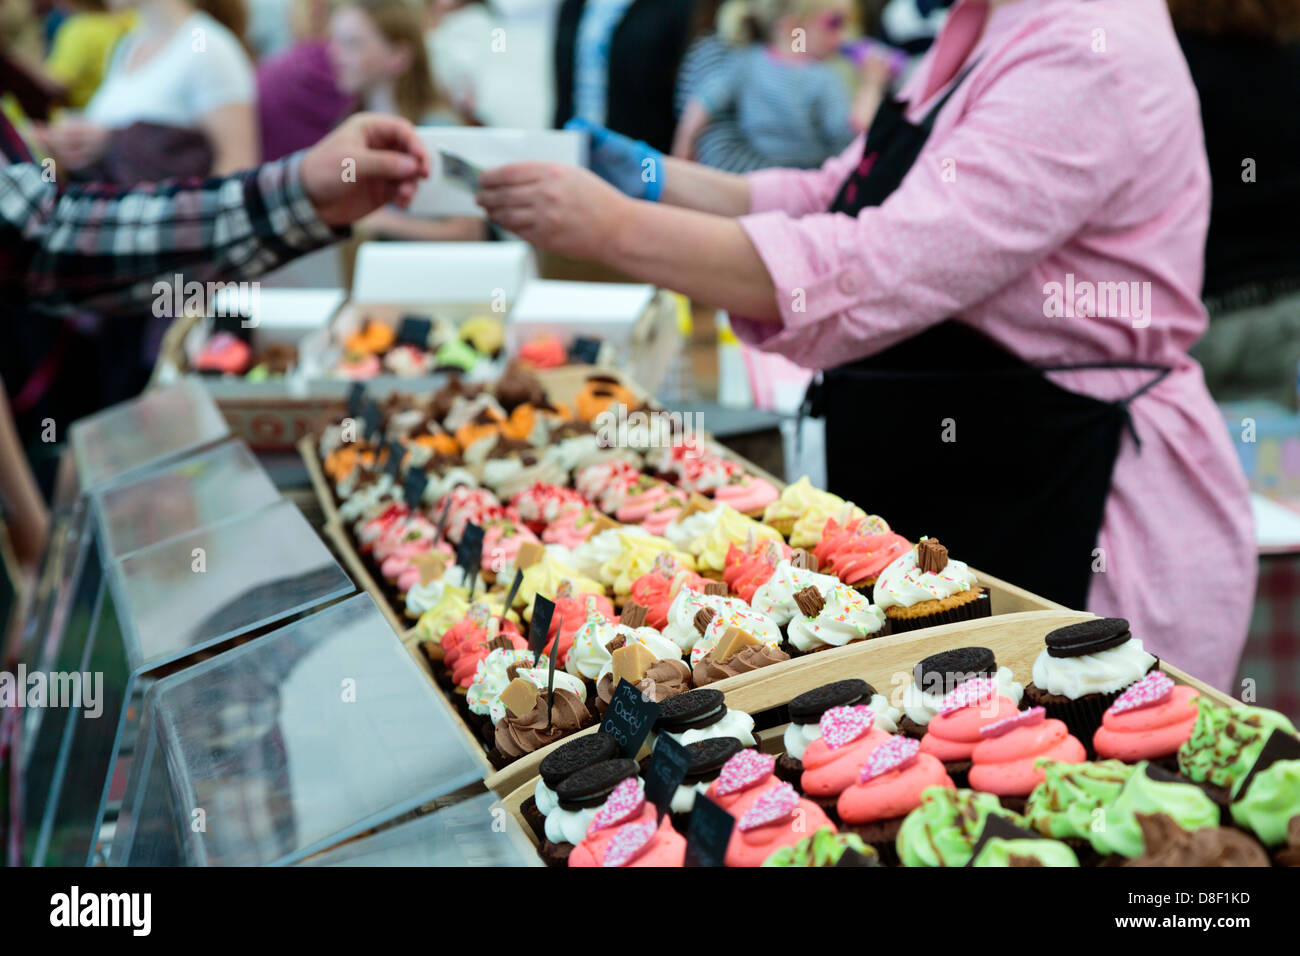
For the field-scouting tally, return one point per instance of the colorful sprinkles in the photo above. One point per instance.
(840, 726)
(896, 753)
(743, 771)
(1027, 718)
(629, 843)
(774, 805)
(626, 801)
(968, 694)
(1151, 690)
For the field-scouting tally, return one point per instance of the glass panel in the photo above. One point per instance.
(475, 832)
(144, 431)
(202, 588)
(295, 742)
(174, 499)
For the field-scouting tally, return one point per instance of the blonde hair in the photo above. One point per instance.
(742, 22)
(402, 24)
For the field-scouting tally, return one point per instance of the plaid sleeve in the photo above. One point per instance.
(103, 248)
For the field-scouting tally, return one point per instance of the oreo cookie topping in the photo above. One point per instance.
(577, 754)
(591, 785)
(1087, 637)
(691, 711)
(939, 674)
(809, 706)
(708, 757)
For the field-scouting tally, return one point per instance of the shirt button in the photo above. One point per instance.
(849, 283)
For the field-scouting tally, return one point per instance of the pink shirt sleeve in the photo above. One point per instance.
(1038, 146)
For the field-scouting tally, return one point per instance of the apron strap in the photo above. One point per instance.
(1122, 403)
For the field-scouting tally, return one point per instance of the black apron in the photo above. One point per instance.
(950, 435)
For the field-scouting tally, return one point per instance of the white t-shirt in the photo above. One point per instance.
(200, 68)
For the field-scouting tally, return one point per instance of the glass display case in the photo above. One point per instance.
(475, 832)
(289, 745)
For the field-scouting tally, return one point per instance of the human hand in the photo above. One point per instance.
(76, 143)
(369, 161)
(563, 209)
(632, 167)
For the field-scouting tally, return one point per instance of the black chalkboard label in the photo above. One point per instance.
(393, 464)
(665, 772)
(356, 395)
(550, 678)
(708, 834)
(413, 487)
(442, 518)
(469, 553)
(629, 718)
(372, 416)
(539, 625)
(584, 351)
(414, 330)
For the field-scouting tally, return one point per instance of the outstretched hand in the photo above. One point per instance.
(563, 209)
(369, 161)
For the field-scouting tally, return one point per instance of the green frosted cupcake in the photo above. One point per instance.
(943, 830)
(823, 848)
(1065, 805)
(1150, 790)
(1270, 799)
(1225, 743)
(1000, 852)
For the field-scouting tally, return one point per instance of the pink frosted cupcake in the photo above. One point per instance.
(467, 504)
(640, 498)
(664, 513)
(1150, 720)
(708, 474)
(747, 494)
(594, 480)
(572, 528)
(541, 504)
(372, 529)
(502, 539)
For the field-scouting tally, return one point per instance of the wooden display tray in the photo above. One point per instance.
(749, 690)
(885, 663)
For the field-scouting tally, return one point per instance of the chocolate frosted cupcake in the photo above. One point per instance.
(701, 714)
(708, 757)
(520, 734)
(578, 798)
(1168, 844)
(559, 765)
(1083, 669)
(738, 652)
(923, 587)
(806, 712)
(940, 674)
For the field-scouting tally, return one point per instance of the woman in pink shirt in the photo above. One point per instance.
(1004, 278)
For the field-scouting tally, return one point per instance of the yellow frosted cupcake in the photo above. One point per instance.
(795, 500)
(637, 557)
(710, 548)
(544, 578)
(807, 531)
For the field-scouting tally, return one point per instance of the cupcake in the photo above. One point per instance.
(806, 712)
(540, 504)
(745, 571)
(832, 762)
(685, 609)
(636, 556)
(1149, 720)
(795, 500)
(626, 832)
(826, 848)
(888, 787)
(954, 732)
(744, 778)
(1225, 743)
(1267, 800)
(747, 494)
(1168, 844)
(1068, 803)
(1003, 844)
(1083, 669)
(656, 589)
(707, 473)
(578, 798)
(664, 513)
(655, 668)
(809, 526)
(572, 528)
(606, 544)
(775, 596)
(597, 638)
(714, 625)
(839, 617)
(943, 829)
(737, 652)
(702, 714)
(561, 763)
(1007, 761)
(1150, 790)
(692, 524)
(938, 675)
(856, 553)
(572, 608)
(923, 588)
(778, 818)
(535, 728)
(707, 758)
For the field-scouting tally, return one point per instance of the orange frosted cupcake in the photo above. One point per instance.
(1148, 721)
